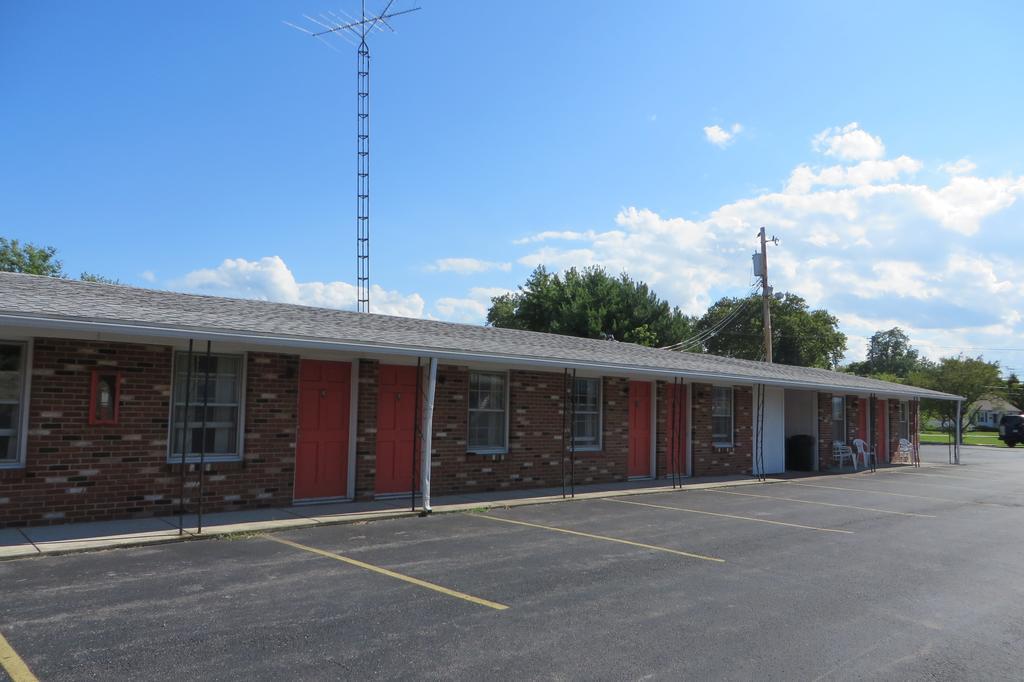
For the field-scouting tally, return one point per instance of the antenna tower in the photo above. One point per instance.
(349, 28)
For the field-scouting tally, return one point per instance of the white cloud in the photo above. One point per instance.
(719, 136)
(148, 276)
(960, 167)
(804, 178)
(551, 235)
(472, 309)
(467, 266)
(270, 279)
(849, 142)
(861, 238)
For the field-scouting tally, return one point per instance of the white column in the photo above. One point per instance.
(428, 422)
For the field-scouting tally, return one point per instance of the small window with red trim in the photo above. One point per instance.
(105, 397)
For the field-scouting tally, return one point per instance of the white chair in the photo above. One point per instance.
(906, 449)
(864, 452)
(842, 452)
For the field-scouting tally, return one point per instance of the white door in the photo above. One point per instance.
(774, 430)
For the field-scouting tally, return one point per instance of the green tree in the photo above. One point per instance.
(29, 259)
(965, 376)
(733, 327)
(889, 352)
(39, 260)
(99, 279)
(593, 304)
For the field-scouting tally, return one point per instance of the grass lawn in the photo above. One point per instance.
(970, 438)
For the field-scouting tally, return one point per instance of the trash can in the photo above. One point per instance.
(800, 453)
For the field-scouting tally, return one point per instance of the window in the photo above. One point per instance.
(104, 397)
(586, 400)
(904, 425)
(838, 419)
(12, 396)
(721, 416)
(222, 435)
(487, 412)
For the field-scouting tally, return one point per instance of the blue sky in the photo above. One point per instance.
(209, 147)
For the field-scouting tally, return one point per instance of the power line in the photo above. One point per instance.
(715, 329)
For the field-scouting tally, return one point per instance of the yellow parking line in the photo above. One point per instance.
(823, 504)
(733, 516)
(393, 574)
(602, 537)
(884, 492)
(11, 662)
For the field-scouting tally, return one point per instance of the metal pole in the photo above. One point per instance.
(682, 396)
(415, 432)
(572, 440)
(565, 407)
(670, 449)
(428, 429)
(956, 446)
(766, 297)
(202, 446)
(184, 441)
(871, 429)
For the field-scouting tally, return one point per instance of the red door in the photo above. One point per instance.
(396, 412)
(639, 428)
(321, 456)
(862, 426)
(676, 424)
(882, 430)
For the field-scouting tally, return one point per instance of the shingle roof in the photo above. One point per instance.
(68, 304)
(994, 403)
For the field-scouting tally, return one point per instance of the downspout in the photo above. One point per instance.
(428, 421)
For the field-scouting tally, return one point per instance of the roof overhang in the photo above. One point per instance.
(94, 325)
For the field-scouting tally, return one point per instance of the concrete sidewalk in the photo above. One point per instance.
(76, 537)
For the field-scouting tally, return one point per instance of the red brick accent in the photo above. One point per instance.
(80, 472)
(711, 461)
(824, 431)
(366, 429)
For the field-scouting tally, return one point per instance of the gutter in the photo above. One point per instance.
(280, 341)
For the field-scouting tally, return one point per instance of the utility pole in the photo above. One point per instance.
(766, 294)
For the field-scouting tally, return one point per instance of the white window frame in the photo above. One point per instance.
(175, 458)
(832, 417)
(24, 391)
(599, 445)
(732, 418)
(493, 450)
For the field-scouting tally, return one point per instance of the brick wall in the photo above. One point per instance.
(894, 430)
(824, 431)
(534, 456)
(852, 419)
(366, 429)
(77, 472)
(711, 461)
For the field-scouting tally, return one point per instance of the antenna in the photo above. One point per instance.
(347, 28)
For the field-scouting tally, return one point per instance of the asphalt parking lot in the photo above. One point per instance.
(908, 574)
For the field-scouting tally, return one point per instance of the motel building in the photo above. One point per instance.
(112, 396)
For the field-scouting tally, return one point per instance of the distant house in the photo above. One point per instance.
(987, 411)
